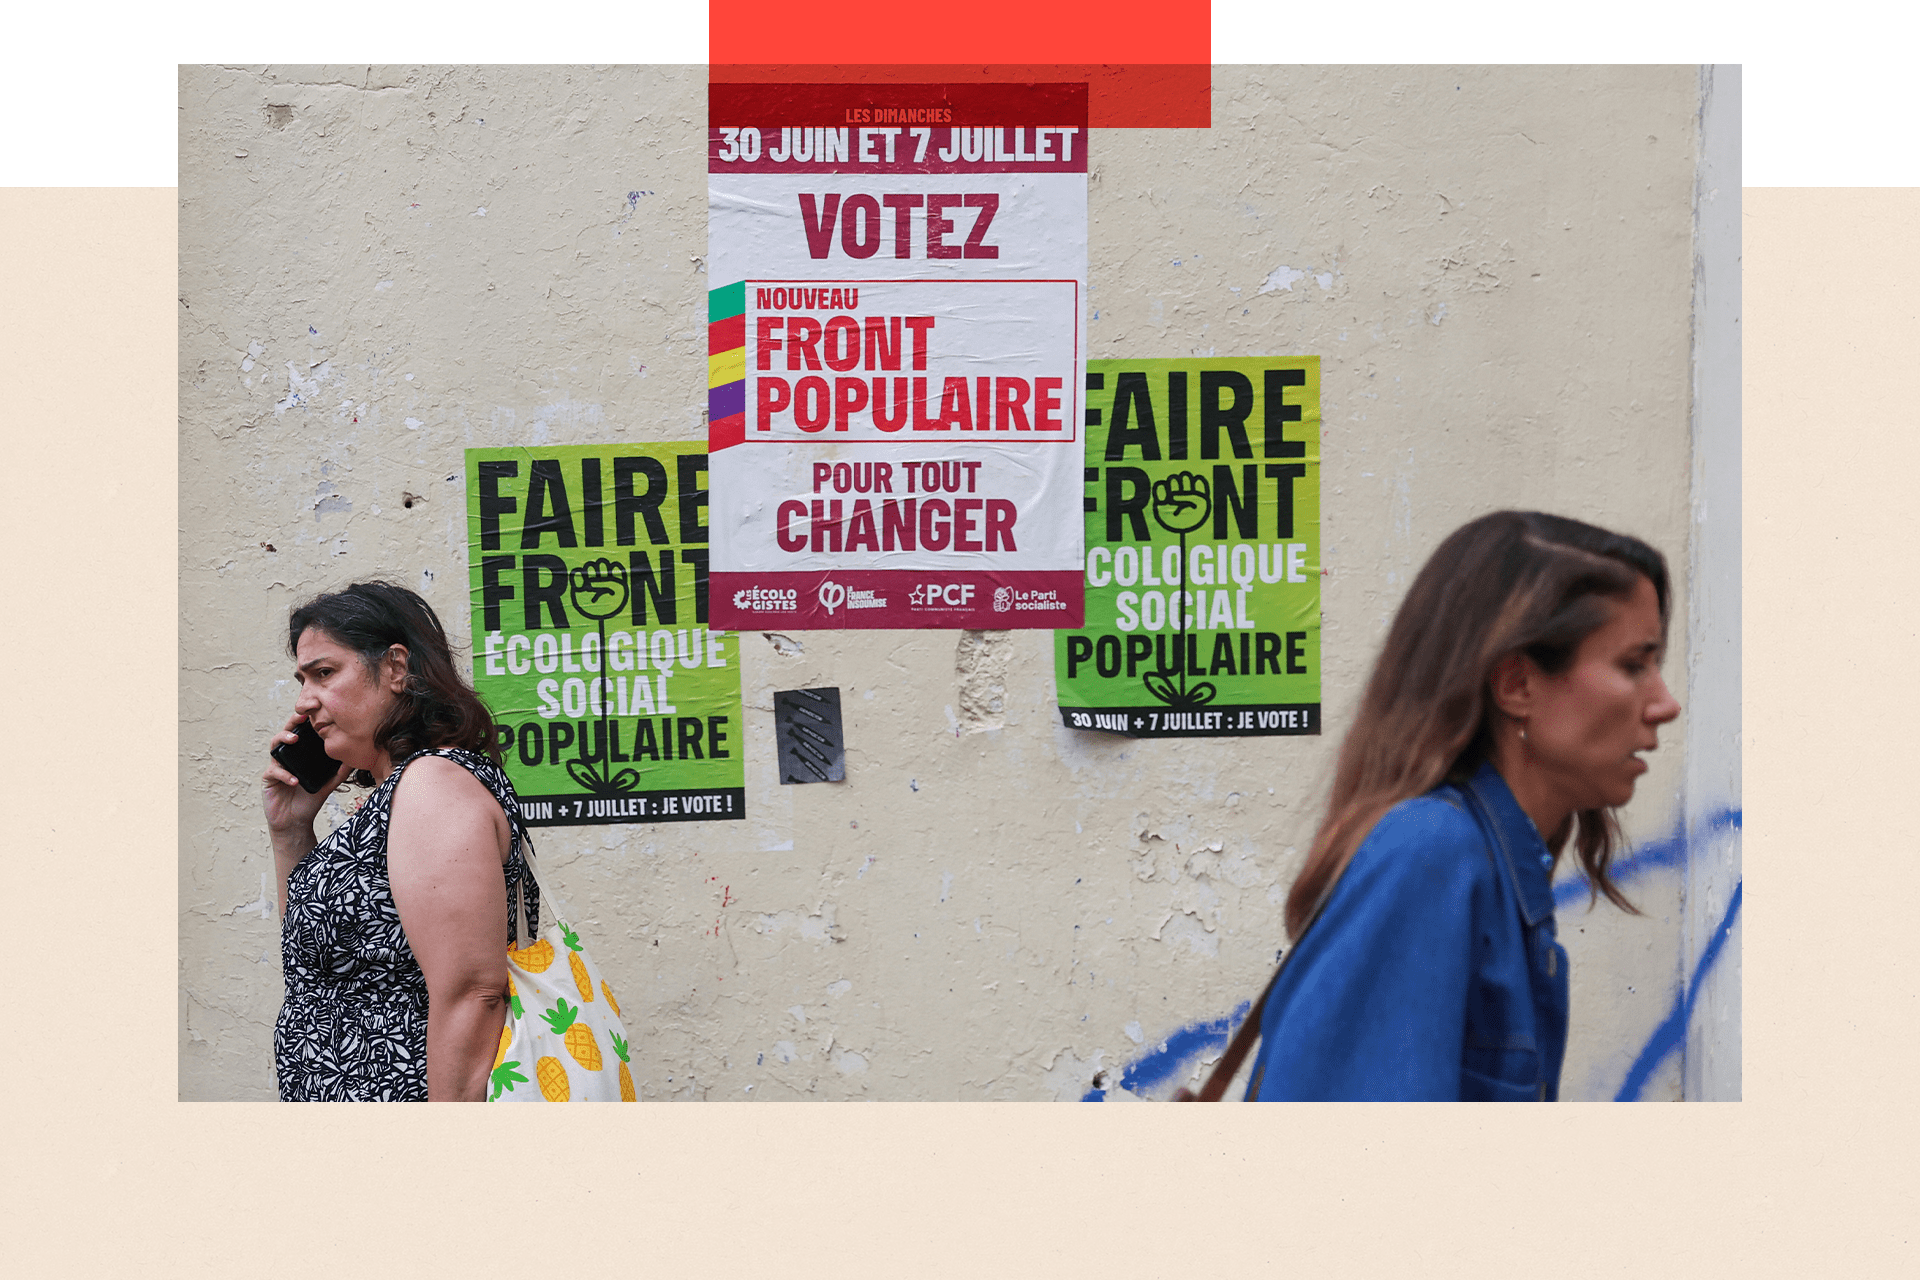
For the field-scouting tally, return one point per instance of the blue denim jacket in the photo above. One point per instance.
(1433, 972)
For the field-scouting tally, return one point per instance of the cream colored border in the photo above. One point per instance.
(107, 1176)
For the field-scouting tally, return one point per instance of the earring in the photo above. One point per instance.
(1523, 733)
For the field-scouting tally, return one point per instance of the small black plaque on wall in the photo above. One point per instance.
(808, 736)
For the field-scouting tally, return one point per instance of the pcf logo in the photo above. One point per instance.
(937, 593)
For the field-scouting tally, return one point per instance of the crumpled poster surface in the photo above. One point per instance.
(896, 334)
(1202, 509)
(615, 699)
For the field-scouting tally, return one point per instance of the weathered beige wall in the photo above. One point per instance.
(381, 268)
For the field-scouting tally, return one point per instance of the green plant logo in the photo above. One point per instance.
(598, 590)
(1182, 503)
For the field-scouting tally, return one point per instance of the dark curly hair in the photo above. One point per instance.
(437, 709)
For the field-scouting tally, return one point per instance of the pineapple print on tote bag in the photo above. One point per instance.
(551, 1047)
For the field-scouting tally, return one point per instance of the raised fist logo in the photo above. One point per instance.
(1181, 502)
(1002, 599)
(599, 588)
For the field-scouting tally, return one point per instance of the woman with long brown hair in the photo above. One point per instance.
(1503, 723)
(395, 927)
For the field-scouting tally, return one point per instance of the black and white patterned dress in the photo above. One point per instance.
(354, 1025)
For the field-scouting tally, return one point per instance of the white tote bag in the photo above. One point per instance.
(563, 1040)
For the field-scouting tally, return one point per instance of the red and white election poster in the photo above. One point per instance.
(896, 350)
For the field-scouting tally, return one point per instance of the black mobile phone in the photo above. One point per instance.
(307, 759)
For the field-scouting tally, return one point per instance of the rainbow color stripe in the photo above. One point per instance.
(726, 366)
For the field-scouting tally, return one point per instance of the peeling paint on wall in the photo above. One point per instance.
(980, 663)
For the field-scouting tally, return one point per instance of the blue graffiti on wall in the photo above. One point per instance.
(1672, 1031)
(1668, 851)
(1159, 1066)
(1172, 1055)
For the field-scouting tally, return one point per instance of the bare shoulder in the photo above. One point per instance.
(437, 798)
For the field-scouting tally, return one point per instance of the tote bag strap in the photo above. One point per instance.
(1237, 1049)
(546, 891)
(1224, 1070)
(555, 907)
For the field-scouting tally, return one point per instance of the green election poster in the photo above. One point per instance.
(1203, 551)
(588, 574)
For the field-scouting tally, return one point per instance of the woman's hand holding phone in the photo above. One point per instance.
(290, 807)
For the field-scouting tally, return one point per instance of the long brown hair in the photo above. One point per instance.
(1510, 582)
(436, 709)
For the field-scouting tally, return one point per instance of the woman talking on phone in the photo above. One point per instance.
(395, 927)
(1504, 722)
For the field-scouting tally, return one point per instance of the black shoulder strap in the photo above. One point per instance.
(1224, 1070)
(1237, 1048)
